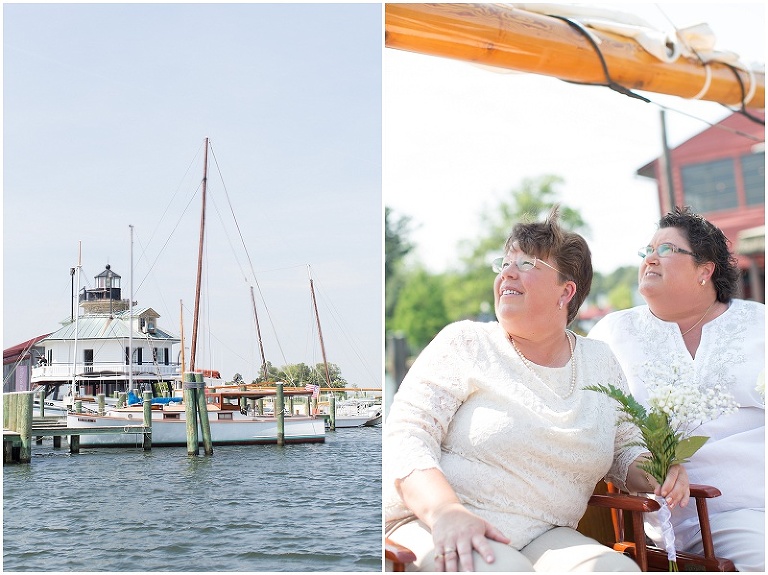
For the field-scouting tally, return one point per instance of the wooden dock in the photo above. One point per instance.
(57, 428)
(19, 427)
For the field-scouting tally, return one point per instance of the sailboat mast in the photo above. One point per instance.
(258, 335)
(73, 386)
(181, 353)
(130, 322)
(193, 351)
(319, 331)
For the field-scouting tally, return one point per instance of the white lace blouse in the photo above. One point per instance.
(732, 354)
(515, 451)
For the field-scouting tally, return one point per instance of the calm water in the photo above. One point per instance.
(314, 507)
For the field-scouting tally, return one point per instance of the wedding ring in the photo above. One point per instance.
(450, 550)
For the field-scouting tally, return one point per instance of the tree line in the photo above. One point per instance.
(419, 302)
(299, 375)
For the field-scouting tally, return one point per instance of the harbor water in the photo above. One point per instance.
(261, 508)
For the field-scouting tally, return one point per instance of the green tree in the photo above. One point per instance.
(620, 297)
(334, 373)
(622, 281)
(531, 201)
(420, 311)
(469, 291)
(397, 245)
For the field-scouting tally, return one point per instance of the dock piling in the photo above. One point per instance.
(202, 408)
(17, 418)
(147, 442)
(190, 411)
(280, 413)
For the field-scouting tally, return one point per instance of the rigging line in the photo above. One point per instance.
(710, 124)
(170, 203)
(229, 240)
(338, 319)
(247, 253)
(750, 73)
(168, 239)
(214, 337)
(609, 81)
(237, 224)
(734, 69)
(160, 289)
(743, 109)
(272, 324)
(17, 363)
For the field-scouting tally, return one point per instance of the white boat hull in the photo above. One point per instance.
(241, 430)
(357, 421)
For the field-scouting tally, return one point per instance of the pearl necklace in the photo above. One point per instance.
(700, 320)
(527, 364)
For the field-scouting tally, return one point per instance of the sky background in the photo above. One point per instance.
(105, 111)
(458, 138)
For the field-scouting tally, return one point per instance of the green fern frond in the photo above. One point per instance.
(629, 404)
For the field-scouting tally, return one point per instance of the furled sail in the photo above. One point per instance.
(601, 47)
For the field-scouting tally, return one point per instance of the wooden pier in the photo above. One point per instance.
(19, 427)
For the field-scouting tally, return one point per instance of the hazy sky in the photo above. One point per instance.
(458, 138)
(106, 107)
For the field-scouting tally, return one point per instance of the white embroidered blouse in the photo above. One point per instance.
(515, 451)
(732, 354)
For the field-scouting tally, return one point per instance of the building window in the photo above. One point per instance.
(127, 356)
(167, 356)
(753, 170)
(710, 186)
(154, 355)
(88, 360)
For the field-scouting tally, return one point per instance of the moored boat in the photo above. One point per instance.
(231, 422)
(357, 413)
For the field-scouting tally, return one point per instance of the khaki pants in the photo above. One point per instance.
(559, 549)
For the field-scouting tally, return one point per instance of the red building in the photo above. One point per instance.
(720, 173)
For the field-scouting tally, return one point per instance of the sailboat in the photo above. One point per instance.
(232, 413)
(349, 412)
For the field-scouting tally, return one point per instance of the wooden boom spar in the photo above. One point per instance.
(515, 39)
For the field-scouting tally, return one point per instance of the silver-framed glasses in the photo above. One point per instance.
(524, 263)
(663, 250)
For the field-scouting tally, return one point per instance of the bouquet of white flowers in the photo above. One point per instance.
(678, 405)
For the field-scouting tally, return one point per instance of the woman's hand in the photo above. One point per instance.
(676, 488)
(457, 532)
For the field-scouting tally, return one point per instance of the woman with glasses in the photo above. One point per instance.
(689, 278)
(491, 447)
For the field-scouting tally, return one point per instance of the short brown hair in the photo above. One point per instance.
(570, 251)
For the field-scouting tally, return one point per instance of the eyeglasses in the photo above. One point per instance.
(663, 250)
(523, 263)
